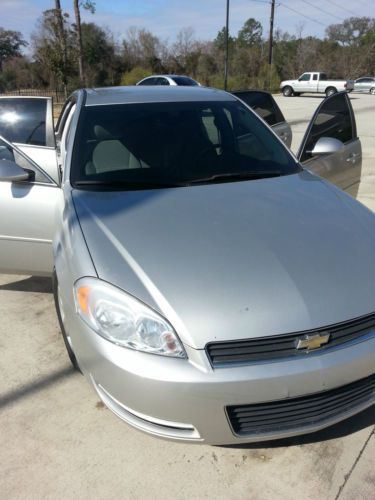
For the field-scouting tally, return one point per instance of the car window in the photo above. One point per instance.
(161, 81)
(315, 77)
(24, 120)
(263, 104)
(332, 120)
(185, 81)
(148, 81)
(305, 77)
(149, 144)
(7, 152)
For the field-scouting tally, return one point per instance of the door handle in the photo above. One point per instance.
(352, 158)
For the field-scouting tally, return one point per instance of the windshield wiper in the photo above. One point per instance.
(229, 176)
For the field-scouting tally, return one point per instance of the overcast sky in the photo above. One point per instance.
(166, 17)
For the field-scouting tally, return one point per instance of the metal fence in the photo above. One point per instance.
(57, 95)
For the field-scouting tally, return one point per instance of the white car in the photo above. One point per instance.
(173, 80)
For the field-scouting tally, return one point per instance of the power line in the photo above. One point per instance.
(342, 8)
(300, 14)
(322, 10)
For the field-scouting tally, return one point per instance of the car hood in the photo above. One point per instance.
(236, 260)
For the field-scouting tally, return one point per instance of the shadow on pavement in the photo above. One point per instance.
(31, 284)
(353, 424)
(35, 386)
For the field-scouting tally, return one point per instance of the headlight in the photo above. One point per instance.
(124, 320)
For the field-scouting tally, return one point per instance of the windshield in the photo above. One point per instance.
(145, 146)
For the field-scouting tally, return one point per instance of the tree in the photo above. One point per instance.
(10, 45)
(90, 6)
(53, 55)
(351, 31)
(220, 40)
(250, 34)
(98, 51)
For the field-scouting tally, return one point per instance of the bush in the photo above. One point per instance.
(134, 75)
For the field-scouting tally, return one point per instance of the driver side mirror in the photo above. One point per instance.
(11, 172)
(326, 146)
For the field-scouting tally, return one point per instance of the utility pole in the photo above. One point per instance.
(226, 48)
(270, 47)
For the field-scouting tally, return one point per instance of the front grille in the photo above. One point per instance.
(280, 346)
(296, 413)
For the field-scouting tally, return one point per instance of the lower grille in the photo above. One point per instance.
(281, 346)
(300, 412)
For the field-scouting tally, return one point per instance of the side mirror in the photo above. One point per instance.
(10, 171)
(326, 146)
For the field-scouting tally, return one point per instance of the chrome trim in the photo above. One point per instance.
(146, 423)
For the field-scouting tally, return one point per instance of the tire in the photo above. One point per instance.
(330, 91)
(287, 91)
(67, 341)
(372, 91)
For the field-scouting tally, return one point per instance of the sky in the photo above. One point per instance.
(165, 18)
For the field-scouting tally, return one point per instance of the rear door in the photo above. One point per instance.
(334, 118)
(27, 122)
(266, 107)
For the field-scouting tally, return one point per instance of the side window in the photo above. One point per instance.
(7, 152)
(332, 119)
(161, 81)
(23, 120)
(148, 81)
(304, 78)
(263, 104)
(315, 77)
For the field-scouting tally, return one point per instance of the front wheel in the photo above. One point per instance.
(372, 91)
(287, 91)
(330, 91)
(60, 317)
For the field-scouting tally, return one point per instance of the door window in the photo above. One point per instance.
(148, 81)
(23, 121)
(161, 81)
(332, 119)
(263, 104)
(304, 78)
(315, 77)
(7, 152)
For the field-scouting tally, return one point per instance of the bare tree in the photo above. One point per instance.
(90, 6)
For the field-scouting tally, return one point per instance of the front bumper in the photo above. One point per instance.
(186, 400)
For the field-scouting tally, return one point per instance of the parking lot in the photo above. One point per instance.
(58, 441)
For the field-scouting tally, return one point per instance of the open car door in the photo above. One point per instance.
(27, 122)
(330, 147)
(266, 107)
(28, 202)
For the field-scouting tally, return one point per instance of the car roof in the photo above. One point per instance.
(169, 75)
(144, 94)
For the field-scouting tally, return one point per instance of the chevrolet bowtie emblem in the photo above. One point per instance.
(311, 342)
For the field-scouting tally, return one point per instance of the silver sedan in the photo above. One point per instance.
(365, 84)
(210, 288)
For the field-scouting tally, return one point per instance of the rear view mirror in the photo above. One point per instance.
(11, 172)
(326, 145)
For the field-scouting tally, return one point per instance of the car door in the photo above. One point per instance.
(28, 209)
(303, 83)
(266, 107)
(335, 119)
(27, 122)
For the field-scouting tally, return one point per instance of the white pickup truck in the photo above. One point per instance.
(317, 83)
